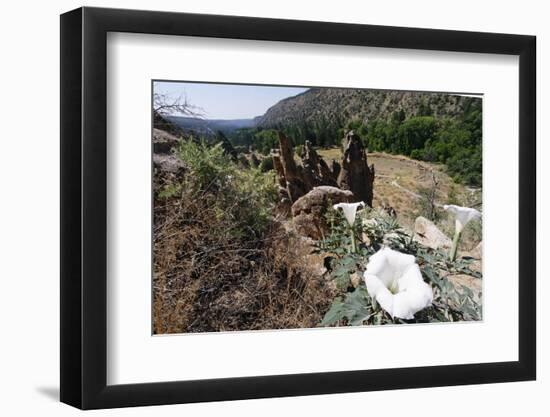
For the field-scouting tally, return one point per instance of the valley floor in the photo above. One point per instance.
(399, 183)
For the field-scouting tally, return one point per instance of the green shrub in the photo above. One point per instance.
(209, 165)
(266, 164)
(244, 197)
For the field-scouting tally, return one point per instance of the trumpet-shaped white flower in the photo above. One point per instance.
(395, 281)
(463, 215)
(349, 209)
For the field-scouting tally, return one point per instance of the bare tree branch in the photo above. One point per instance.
(166, 105)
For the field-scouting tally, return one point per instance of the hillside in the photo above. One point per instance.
(338, 106)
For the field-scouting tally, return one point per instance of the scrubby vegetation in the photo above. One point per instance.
(221, 260)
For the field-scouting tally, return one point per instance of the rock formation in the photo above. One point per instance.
(297, 179)
(353, 178)
(355, 174)
(167, 167)
(164, 159)
(315, 169)
(293, 177)
(278, 167)
(168, 164)
(336, 167)
(164, 142)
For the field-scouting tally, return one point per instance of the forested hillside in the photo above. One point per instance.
(336, 106)
(433, 127)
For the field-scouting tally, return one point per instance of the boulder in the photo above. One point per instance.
(428, 234)
(168, 164)
(474, 284)
(164, 142)
(309, 210)
(309, 225)
(168, 169)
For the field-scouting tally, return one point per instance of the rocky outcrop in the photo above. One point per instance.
(164, 159)
(278, 167)
(164, 142)
(315, 170)
(427, 233)
(299, 253)
(168, 164)
(293, 177)
(298, 179)
(309, 211)
(295, 180)
(336, 167)
(283, 207)
(355, 174)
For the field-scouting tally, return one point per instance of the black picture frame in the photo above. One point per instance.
(84, 207)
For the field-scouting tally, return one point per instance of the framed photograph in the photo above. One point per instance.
(257, 208)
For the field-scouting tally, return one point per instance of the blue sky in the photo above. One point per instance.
(227, 101)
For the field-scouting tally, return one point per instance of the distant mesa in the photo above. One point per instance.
(209, 127)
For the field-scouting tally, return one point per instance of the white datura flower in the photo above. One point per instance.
(395, 281)
(349, 209)
(463, 215)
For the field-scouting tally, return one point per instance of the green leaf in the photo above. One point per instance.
(334, 314)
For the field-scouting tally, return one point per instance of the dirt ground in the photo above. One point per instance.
(399, 181)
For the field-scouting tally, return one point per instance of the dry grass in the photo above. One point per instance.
(207, 280)
(398, 178)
